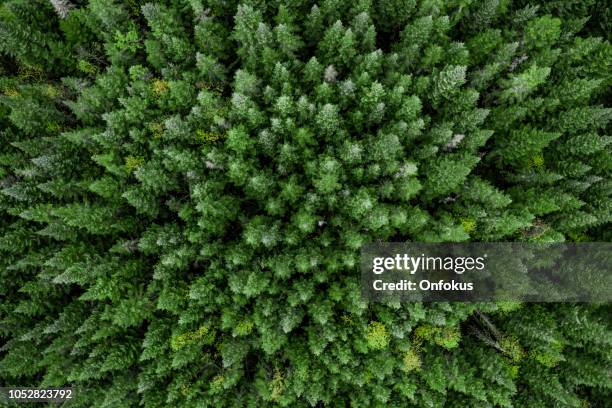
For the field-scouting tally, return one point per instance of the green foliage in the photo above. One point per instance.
(447, 337)
(377, 336)
(185, 187)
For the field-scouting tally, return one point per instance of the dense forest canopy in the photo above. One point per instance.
(185, 186)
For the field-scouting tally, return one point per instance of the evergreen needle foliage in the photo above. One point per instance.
(185, 186)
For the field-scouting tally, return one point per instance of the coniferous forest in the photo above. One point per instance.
(185, 187)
